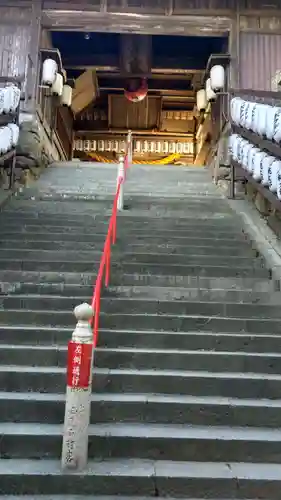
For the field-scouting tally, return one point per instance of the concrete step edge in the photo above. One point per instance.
(146, 332)
(124, 398)
(119, 265)
(255, 261)
(144, 373)
(135, 288)
(141, 350)
(132, 300)
(88, 497)
(144, 468)
(150, 431)
(135, 315)
(228, 222)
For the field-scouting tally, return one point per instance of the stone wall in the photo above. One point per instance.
(35, 150)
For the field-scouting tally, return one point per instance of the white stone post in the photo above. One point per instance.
(130, 147)
(121, 175)
(78, 392)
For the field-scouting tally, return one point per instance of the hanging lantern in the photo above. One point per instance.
(210, 94)
(57, 86)
(136, 89)
(66, 98)
(49, 72)
(217, 78)
(201, 100)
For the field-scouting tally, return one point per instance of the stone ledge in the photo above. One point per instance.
(265, 240)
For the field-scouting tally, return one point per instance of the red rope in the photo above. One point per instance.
(105, 264)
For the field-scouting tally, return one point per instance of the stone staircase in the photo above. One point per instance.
(187, 384)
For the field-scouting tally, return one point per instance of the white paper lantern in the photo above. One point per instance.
(66, 98)
(259, 157)
(241, 145)
(234, 146)
(277, 126)
(6, 139)
(249, 115)
(230, 145)
(49, 72)
(201, 100)
(266, 164)
(7, 102)
(251, 158)
(279, 185)
(261, 122)
(256, 113)
(217, 78)
(243, 111)
(233, 104)
(272, 175)
(244, 114)
(238, 107)
(235, 108)
(15, 133)
(272, 111)
(210, 94)
(245, 156)
(57, 86)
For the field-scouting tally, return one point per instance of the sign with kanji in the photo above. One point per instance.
(79, 360)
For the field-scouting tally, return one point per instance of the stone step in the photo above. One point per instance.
(52, 225)
(191, 383)
(108, 193)
(147, 441)
(123, 231)
(205, 214)
(58, 255)
(144, 306)
(206, 411)
(151, 239)
(78, 497)
(171, 293)
(71, 497)
(147, 322)
(124, 223)
(142, 477)
(177, 308)
(82, 293)
(154, 322)
(215, 342)
(163, 359)
(74, 266)
(239, 250)
(204, 209)
(12, 280)
(126, 218)
(146, 359)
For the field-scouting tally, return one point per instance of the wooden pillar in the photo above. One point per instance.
(32, 76)
(234, 50)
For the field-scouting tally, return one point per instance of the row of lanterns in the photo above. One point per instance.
(214, 84)
(263, 167)
(55, 80)
(263, 119)
(9, 104)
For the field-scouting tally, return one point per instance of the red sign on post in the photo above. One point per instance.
(79, 360)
